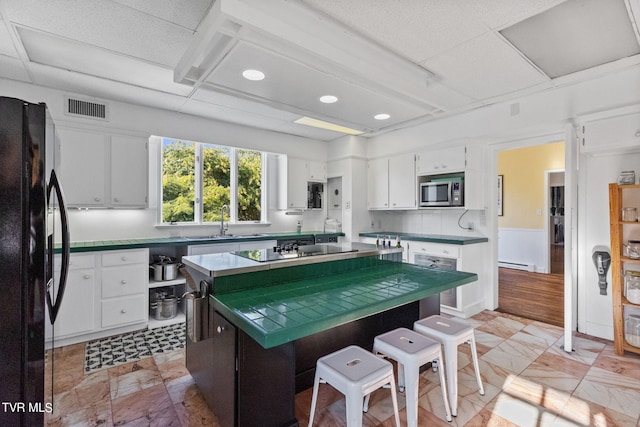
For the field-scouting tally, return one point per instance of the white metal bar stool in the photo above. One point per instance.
(411, 350)
(451, 333)
(354, 372)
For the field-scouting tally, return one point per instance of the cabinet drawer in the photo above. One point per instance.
(77, 261)
(447, 251)
(126, 280)
(119, 311)
(125, 257)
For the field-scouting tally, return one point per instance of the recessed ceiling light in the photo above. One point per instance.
(253, 75)
(328, 99)
(381, 116)
(321, 124)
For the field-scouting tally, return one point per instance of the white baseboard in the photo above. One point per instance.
(518, 265)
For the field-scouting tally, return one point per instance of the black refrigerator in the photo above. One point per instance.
(31, 208)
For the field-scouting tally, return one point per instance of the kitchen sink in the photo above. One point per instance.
(226, 236)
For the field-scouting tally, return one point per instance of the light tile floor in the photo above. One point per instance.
(529, 381)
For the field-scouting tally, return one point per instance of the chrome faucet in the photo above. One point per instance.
(222, 229)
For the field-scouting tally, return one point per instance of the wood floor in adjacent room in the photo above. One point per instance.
(536, 296)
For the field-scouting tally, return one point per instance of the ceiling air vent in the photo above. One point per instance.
(81, 108)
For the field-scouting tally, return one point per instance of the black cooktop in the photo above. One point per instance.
(278, 254)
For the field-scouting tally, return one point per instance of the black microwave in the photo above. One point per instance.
(442, 193)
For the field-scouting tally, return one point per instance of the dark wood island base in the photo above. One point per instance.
(267, 327)
(261, 389)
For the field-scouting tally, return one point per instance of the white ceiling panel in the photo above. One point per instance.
(105, 24)
(105, 89)
(575, 36)
(485, 67)
(68, 54)
(415, 29)
(498, 13)
(12, 68)
(6, 44)
(186, 13)
(240, 105)
(308, 131)
(415, 60)
(218, 112)
(247, 118)
(290, 83)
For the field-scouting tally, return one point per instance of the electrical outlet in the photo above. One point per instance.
(470, 226)
(348, 205)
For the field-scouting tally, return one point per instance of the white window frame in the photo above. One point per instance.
(233, 182)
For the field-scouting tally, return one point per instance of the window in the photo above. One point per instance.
(198, 179)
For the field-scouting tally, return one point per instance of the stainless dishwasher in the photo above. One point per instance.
(448, 297)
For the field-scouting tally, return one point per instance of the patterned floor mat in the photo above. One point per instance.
(113, 351)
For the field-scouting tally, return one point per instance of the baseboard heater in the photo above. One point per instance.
(517, 265)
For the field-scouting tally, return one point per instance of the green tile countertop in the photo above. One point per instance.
(120, 244)
(435, 238)
(283, 312)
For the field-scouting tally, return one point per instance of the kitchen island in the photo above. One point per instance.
(268, 322)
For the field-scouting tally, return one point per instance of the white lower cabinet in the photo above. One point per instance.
(120, 281)
(106, 294)
(76, 315)
(123, 310)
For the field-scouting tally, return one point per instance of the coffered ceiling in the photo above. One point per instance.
(412, 60)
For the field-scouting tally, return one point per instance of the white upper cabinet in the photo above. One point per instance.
(378, 184)
(293, 175)
(402, 182)
(445, 160)
(317, 171)
(129, 171)
(82, 167)
(612, 134)
(296, 184)
(98, 170)
(391, 183)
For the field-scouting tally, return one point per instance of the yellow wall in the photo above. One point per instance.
(523, 173)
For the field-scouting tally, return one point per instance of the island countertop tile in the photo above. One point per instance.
(281, 313)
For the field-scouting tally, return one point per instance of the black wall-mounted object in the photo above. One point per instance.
(602, 261)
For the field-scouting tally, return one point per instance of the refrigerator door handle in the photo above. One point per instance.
(54, 307)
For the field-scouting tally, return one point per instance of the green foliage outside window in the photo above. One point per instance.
(179, 189)
(216, 182)
(178, 181)
(249, 185)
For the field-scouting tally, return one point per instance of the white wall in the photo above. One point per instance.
(102, 224)
(597, 171)
(524, 246)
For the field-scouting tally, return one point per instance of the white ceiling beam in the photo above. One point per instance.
(293, 29)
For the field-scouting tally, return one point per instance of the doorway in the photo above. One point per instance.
(531, 232)
(555, 197)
